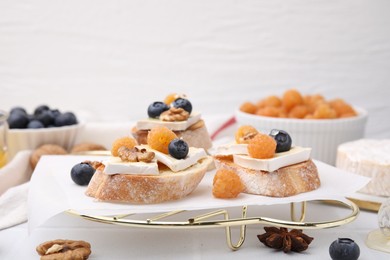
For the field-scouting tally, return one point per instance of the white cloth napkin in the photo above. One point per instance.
(14, 185)
(16, 172)
(13, 206)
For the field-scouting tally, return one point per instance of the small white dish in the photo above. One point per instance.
(30, 139)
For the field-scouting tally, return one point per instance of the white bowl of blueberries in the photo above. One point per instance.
(28, 131)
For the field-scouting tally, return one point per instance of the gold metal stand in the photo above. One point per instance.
(203, 221)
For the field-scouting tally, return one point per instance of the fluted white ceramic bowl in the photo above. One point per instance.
(29, 139)
(322, 135)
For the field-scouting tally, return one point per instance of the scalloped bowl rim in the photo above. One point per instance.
(46, 129)
(362, 114)
(30, 139)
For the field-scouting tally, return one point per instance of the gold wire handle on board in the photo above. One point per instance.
(203, 221)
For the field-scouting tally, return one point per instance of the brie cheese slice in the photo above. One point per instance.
(194, 155)
(149, 123)
(295, 155)
(114, 165)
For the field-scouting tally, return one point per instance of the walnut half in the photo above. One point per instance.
(94, 164)
(64, 249)
(135, 154)
(174, 114)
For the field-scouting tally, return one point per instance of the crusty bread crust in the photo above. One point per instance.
(196, 135)
(284, 182)
(147, 189)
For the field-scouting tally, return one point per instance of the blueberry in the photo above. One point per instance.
(33, 124)
(156, 108)
(283, 140)
(55, 112)
(17, 120)
(344, 249)
(18, 110)
(82, 173)
(183, 103)
(178, 148)
(64, 119)
(46, 117)
(30, 117)
(38, 110)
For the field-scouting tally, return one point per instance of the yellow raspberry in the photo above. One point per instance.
(160, 137)
(269, 111)
(272, 101)
(226, 184)
(324, 111)
(172, 97)
(342, 108)
(248, 107)
(291, 98)
(299, 111)
(245, 133)
(124, 141)
(262, 146)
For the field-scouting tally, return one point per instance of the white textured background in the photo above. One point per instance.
(107, 60)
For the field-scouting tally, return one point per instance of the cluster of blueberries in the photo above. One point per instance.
(43, 117)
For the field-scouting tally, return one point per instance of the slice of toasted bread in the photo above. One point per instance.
(195, 136)
(147, 189)
(284, 182)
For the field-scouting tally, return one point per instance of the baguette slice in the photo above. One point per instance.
(195, 136)
(147, 189)
(284, 182)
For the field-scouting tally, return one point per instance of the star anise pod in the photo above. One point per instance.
(281, 238)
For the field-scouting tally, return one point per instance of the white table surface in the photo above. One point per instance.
(118, 242)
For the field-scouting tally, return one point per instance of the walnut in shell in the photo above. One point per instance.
(64, 249)
(46, 149)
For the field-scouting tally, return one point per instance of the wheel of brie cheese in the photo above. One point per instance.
(370, 158)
